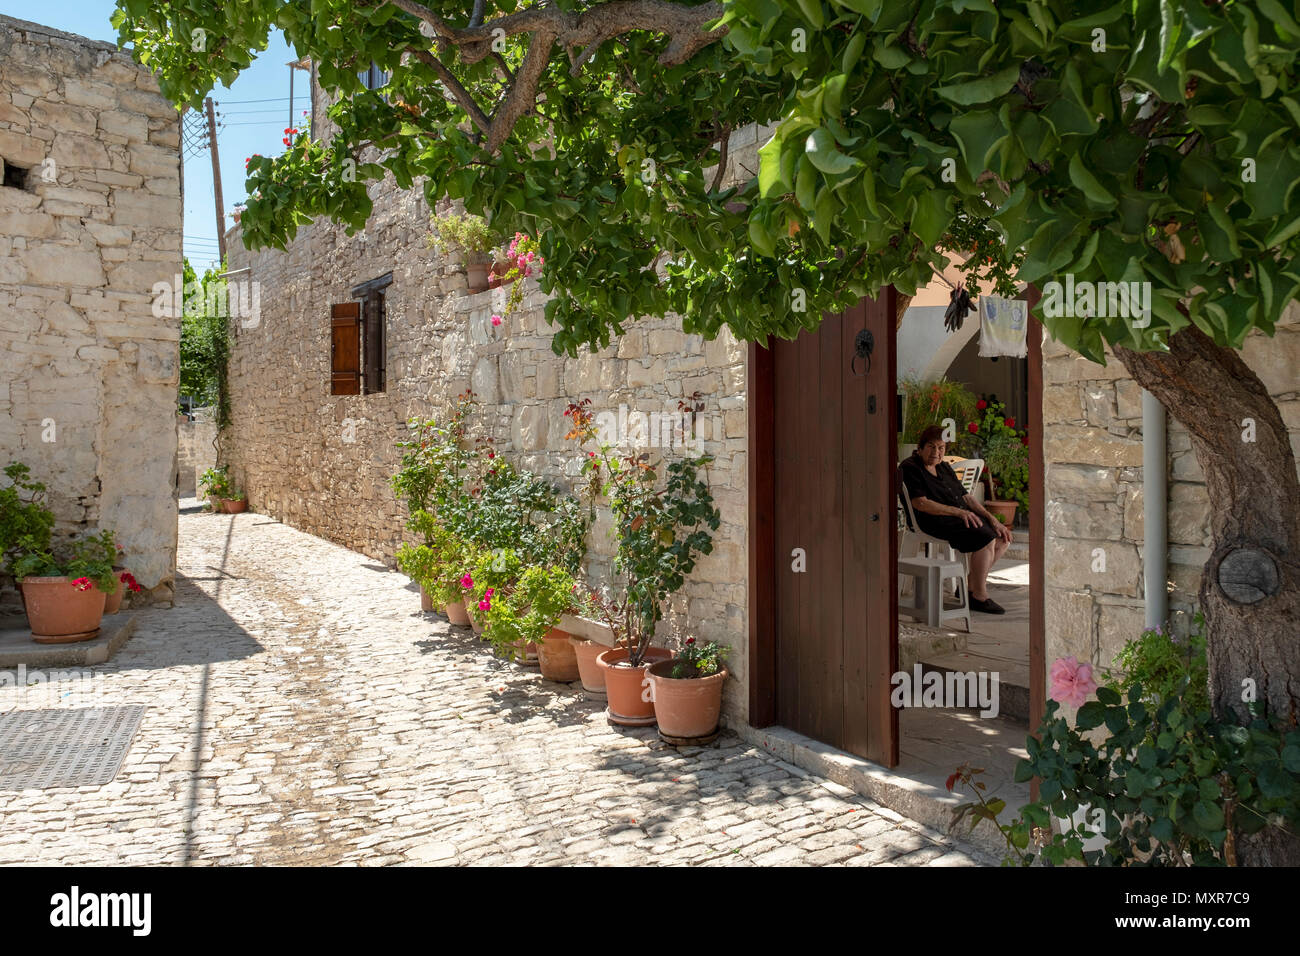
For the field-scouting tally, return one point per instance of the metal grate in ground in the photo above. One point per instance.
(43, 749)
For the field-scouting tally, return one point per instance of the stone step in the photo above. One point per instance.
(17, 646)
(1013, 679)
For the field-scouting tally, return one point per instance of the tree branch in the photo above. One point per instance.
(549, 25)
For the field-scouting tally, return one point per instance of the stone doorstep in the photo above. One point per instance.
(915, 799)
(17, 646)
(1013, 693)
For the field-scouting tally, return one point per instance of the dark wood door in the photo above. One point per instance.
(832, 437)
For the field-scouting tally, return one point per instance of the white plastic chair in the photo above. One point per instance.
(968, 472)
(913, 542)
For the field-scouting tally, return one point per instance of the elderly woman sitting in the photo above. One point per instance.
(945, 510)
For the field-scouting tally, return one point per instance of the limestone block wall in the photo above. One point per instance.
(322, 462)
(90, 219)
(196, 450)
(1092, 416)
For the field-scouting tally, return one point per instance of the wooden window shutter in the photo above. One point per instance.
(373, 342)
(345, 349)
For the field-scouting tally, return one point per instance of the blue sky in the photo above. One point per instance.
(252, 114)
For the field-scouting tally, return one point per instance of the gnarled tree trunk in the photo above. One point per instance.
(1250, 590)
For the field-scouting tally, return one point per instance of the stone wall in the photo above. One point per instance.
(90, 219)
(196, 450)
(1092, 416)
(322, 462)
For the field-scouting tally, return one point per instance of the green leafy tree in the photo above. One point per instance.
(204, 339)
(1147, 141)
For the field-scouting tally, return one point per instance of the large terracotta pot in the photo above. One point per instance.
(626, 687)
(59, 613)
(473, 618)
(1003, 510)
(232, 506)
(557, 657)
(457, 614)
(113, 602)
(586, 652)
(686, 707)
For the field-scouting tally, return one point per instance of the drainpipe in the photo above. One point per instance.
(1155, 507)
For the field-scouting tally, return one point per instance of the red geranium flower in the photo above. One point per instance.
(82, 584)
(972, 428)
(981, 404)
(1010, 422)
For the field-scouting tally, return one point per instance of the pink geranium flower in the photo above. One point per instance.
(1071, 681)
(467, 581)
(484, 605)
(82, 584)
(496, 320)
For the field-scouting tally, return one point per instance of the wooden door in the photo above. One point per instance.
(833, 605)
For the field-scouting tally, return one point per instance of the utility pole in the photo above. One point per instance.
(216, 181)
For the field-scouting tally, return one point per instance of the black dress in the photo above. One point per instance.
(944, 488)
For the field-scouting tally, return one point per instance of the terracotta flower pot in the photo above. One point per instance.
(473, 618)
(627, 688)
(1004, 511)
(60, 613)
(476, 271)
(586, 652)
(113, 602)
(231, 506)
(686, 707)
(557, 657)
(426, 602)
(457, 614)
(525, 653)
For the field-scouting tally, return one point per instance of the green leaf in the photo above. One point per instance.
(1207, 815)
(932, 216)
(774, 167)
(1162, 828)
(1108, 696)
(1088, 183)
(812, 12)
(982, 90)
(820, 148)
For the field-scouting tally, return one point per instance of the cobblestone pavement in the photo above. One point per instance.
(334, 723)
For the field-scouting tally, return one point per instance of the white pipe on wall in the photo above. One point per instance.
(1155, 510)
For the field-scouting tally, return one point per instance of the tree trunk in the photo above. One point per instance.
(1250, 589)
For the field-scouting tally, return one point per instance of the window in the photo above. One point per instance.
(372, 78)
(15, 177)
(359, 342)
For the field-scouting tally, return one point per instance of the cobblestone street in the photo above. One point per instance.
(301, 710)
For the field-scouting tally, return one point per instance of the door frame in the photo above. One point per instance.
(761, 590)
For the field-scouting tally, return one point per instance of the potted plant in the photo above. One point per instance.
(933, 403)
(494, 576)
(589, 637)
(123, 581)
(522, 261)
(65, 594)
(24, 517)
(687, 691)
(218, 487)
(1004, 448)
(662, 530)
(526, 615)
(474, 237)
(436, 566)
